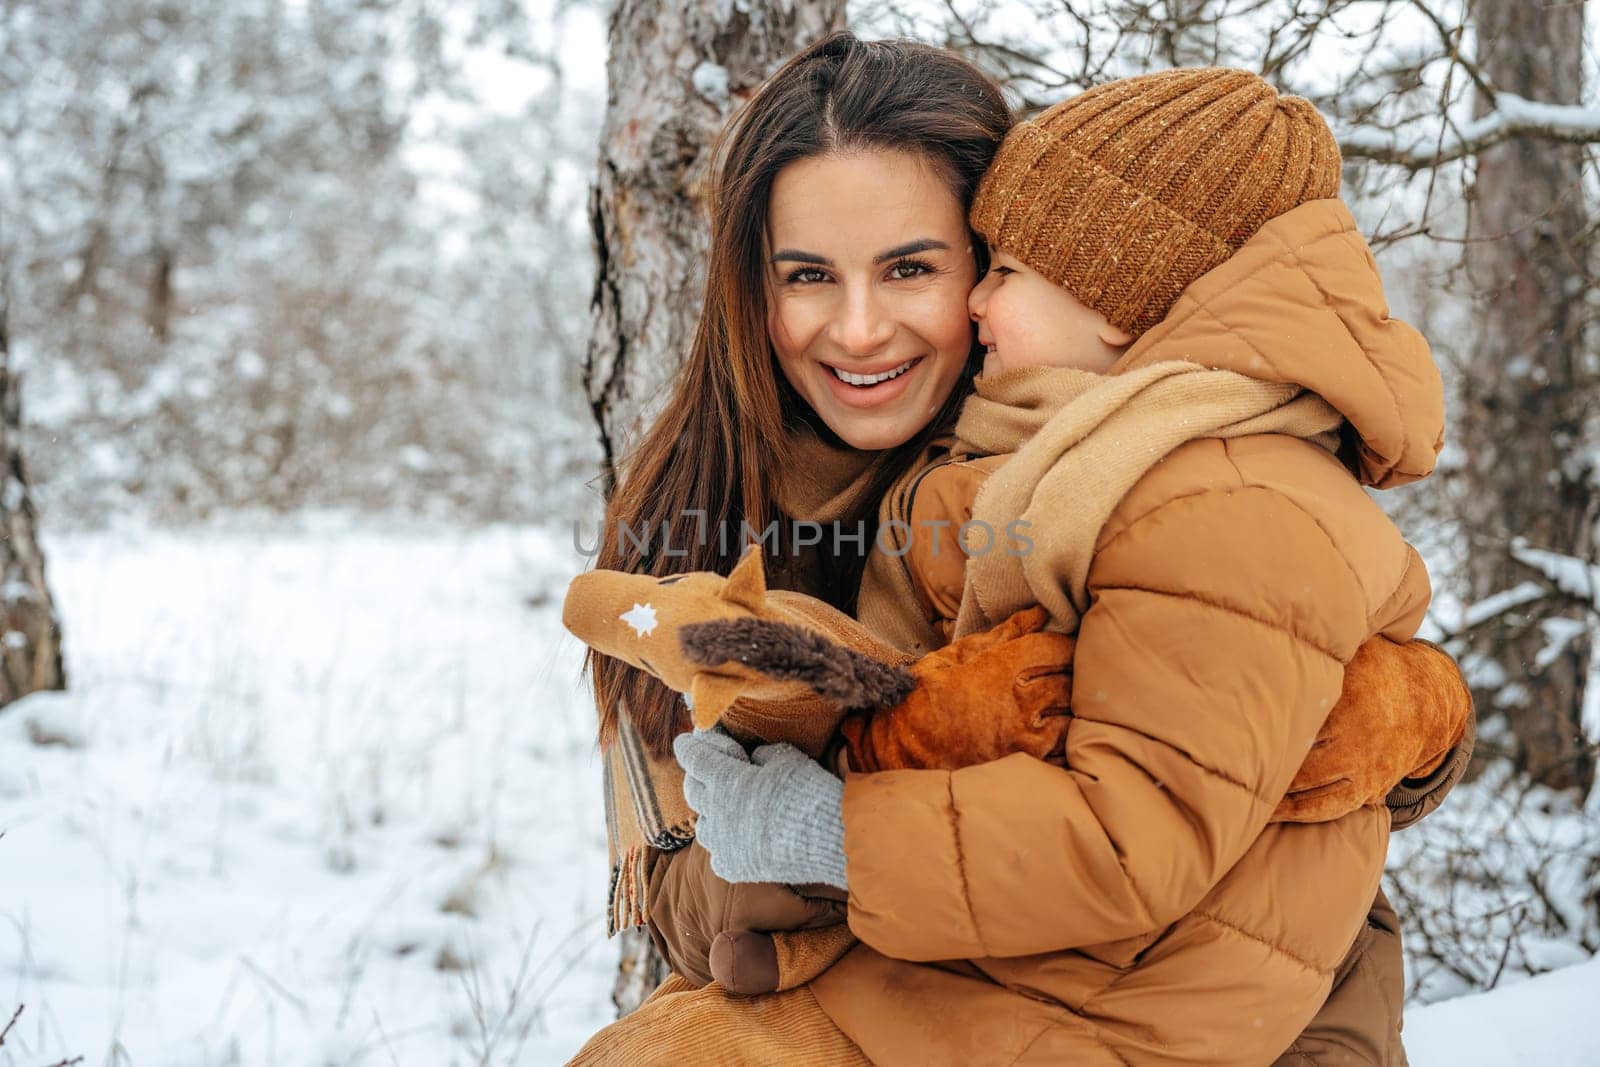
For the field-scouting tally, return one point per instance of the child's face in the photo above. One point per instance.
(1026, 320)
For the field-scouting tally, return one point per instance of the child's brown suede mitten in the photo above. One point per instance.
(977, 699)
(1403, 708)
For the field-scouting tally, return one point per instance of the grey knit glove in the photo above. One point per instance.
(774, 816)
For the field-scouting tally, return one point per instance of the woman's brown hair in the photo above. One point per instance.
(712, 459)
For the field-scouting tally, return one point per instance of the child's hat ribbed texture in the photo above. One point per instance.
(1128, 192)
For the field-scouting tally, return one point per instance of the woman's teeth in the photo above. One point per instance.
(871, 379)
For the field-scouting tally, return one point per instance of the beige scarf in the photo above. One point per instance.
(1081, 442)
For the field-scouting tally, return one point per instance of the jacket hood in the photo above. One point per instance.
(1301, 302)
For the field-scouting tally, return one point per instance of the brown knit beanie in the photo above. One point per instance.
(1127, 193)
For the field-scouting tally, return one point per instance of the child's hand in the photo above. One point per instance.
(1404, 707)
(979, 698)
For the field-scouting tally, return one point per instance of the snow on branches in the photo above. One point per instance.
(1447, 141)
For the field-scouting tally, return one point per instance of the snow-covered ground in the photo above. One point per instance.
(1548, 1020)
(328, 794)
(319, 796)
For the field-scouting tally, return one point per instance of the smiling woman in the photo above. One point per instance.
(834, 322)
(867, 290)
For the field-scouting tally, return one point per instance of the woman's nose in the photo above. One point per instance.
(861, 328)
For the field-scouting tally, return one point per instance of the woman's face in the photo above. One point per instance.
(869, 266)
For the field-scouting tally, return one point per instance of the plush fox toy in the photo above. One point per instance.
(781, 666)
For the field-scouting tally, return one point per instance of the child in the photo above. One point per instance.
(1192, 375)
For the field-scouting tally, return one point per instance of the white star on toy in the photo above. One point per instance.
(642, 617)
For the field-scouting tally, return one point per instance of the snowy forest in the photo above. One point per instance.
(323, 327)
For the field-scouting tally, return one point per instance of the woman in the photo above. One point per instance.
(841, 254)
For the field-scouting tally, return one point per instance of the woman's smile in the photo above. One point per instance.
(868, 388)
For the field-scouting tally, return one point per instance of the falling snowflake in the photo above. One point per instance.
(642, 617)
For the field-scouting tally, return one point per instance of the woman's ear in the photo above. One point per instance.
(1115, 336)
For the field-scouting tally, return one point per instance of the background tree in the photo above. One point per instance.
(1530, 391)
(278, 255)
(30, 646)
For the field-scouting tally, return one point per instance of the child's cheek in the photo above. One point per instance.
(1022, 343)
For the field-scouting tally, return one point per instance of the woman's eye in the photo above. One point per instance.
(806, 275)
(909, 268)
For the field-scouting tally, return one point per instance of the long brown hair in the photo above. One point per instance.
(716, 449)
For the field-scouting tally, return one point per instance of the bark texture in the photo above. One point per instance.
(676, 72)
(30, 646)
(1530, 388)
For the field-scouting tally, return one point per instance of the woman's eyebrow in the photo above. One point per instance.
(910, 248)
(795, 256)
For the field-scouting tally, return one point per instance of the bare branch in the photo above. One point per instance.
(1512, 116)
(1572, 577)
(1450, 38)
(14, 1016)
(1489, 609)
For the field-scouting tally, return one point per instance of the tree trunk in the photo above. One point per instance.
(676, 72)
(1529, 387)
(30, 647)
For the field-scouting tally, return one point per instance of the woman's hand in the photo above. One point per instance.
(773, 816)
